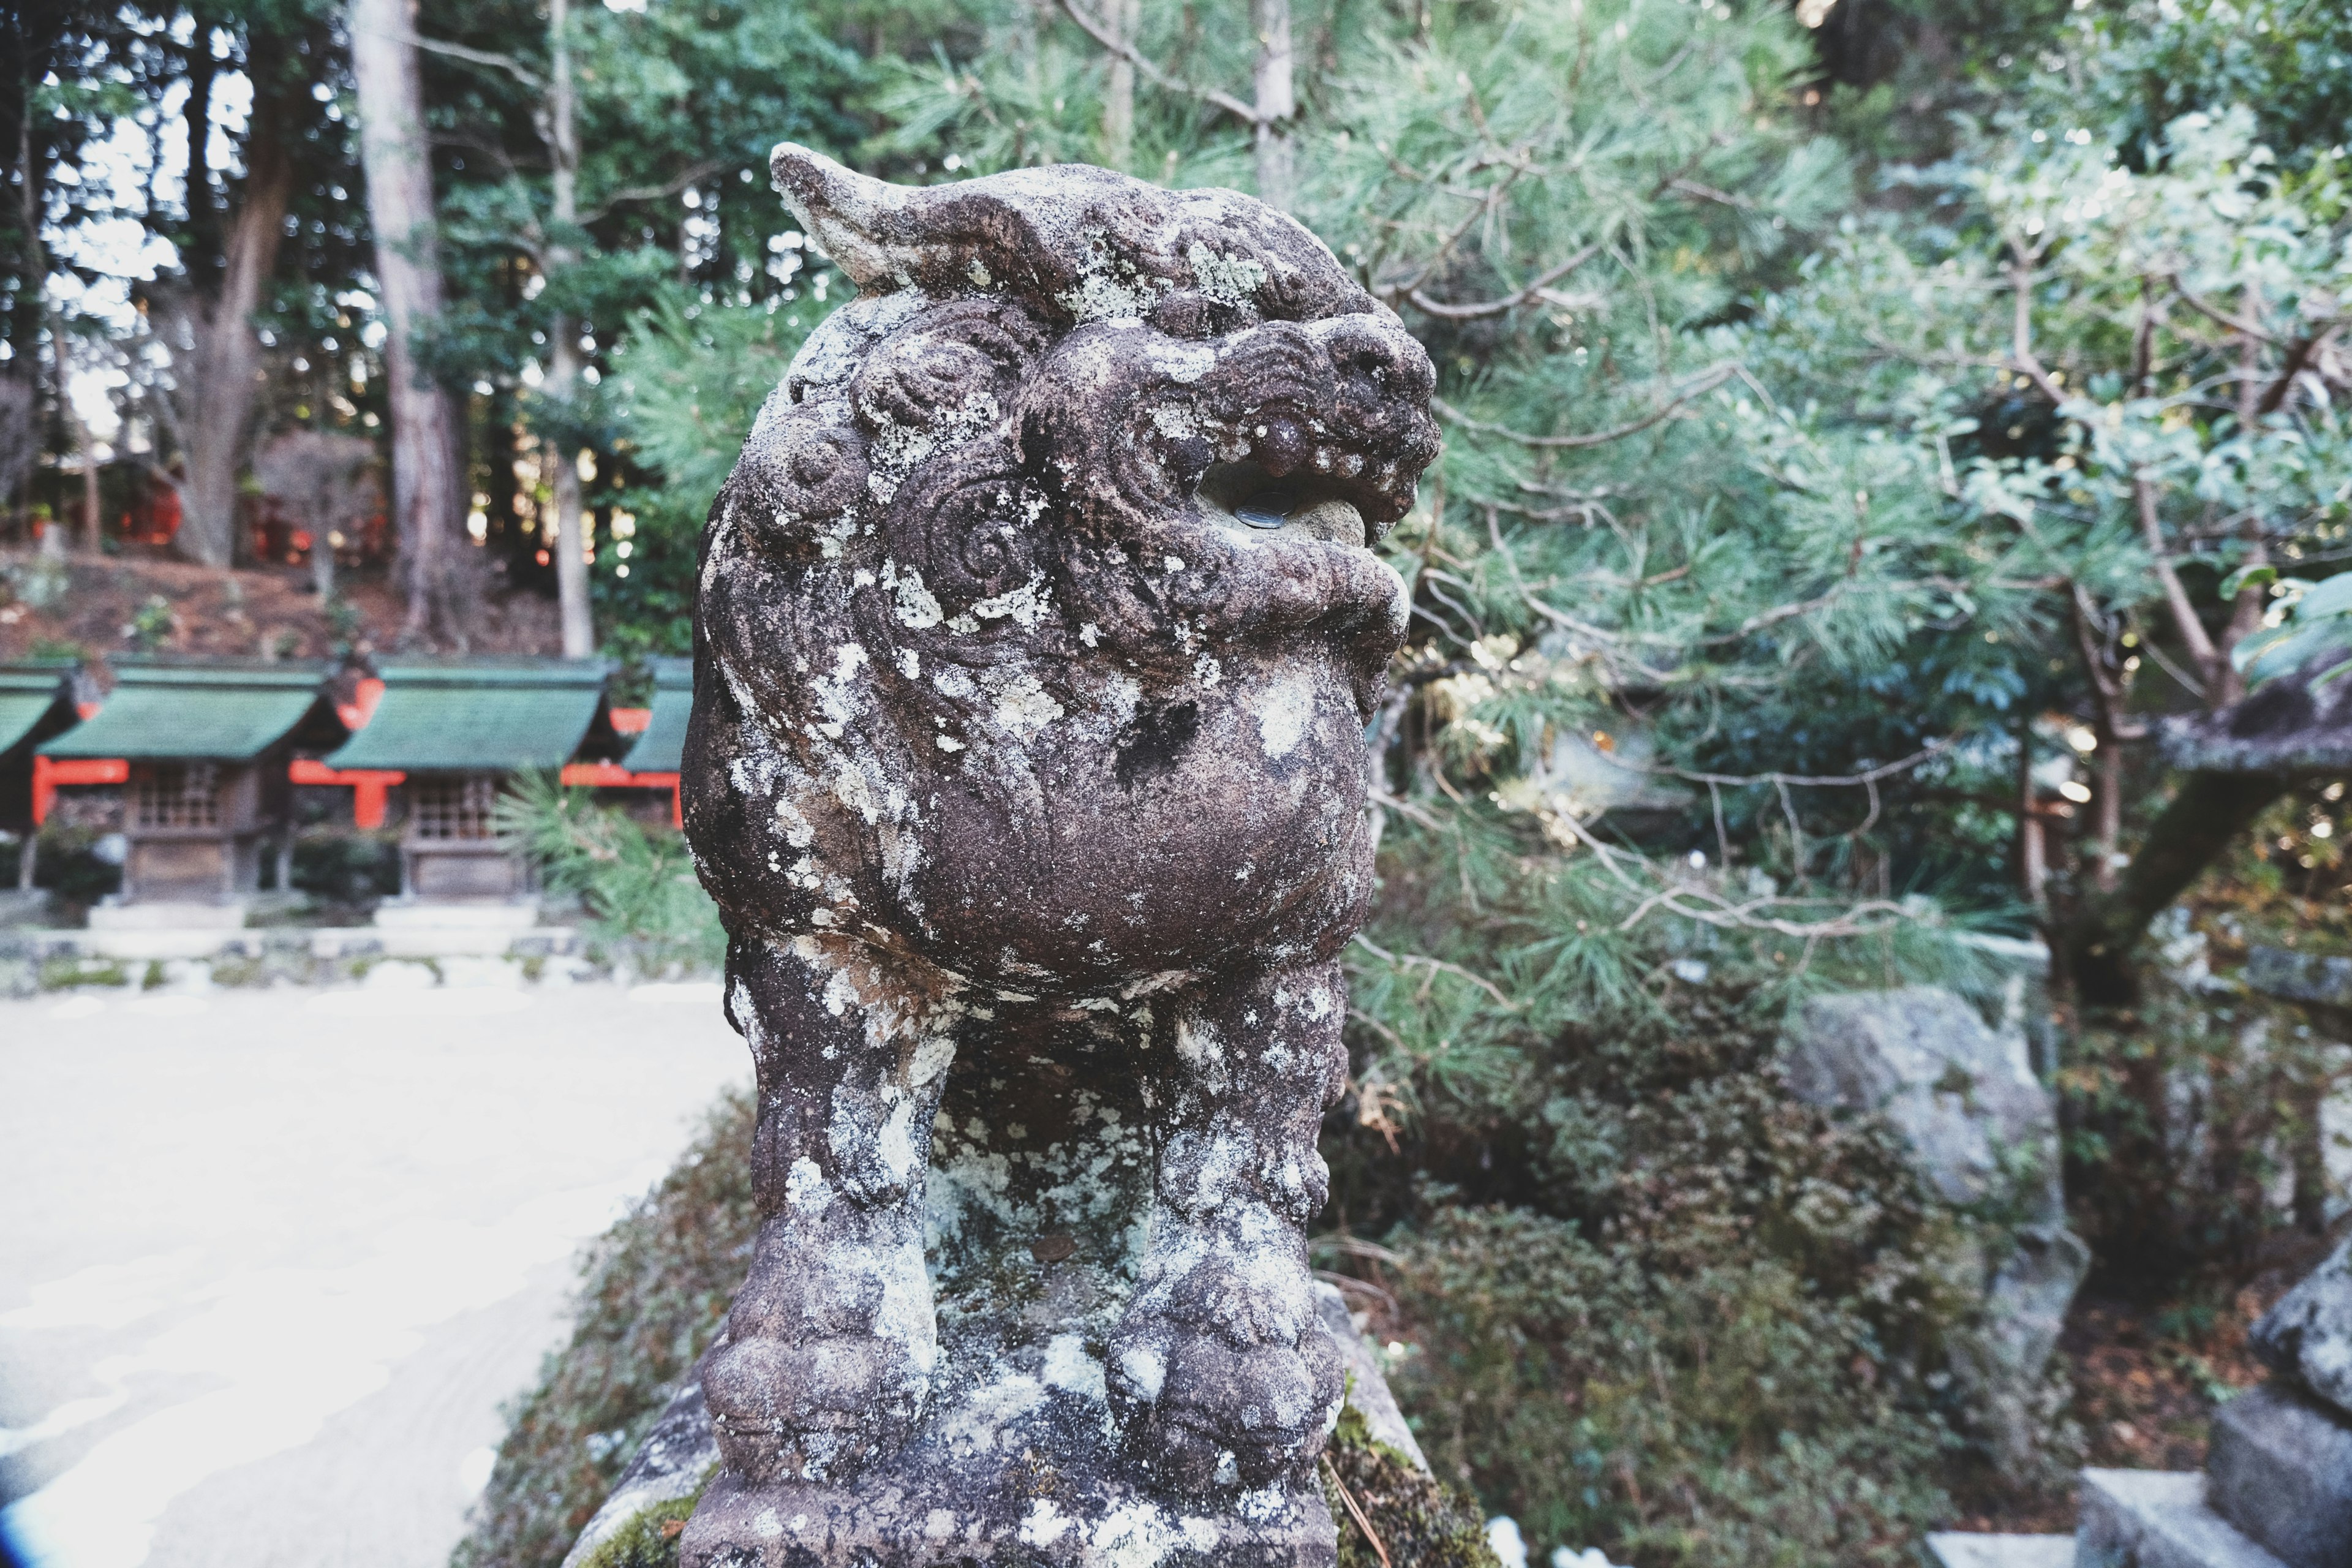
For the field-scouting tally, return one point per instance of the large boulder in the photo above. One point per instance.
(1983, 1136)
(1965, 1098)
(2307, 1337)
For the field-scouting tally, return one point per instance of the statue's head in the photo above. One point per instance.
(1038, 624)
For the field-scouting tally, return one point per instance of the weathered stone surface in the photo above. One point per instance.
(680, 1456)
(2281, 1470)
(1963, 1097)
(2294, 724)
(2308, 1336)
(1956, 1549)
(1036, 634)
(2299, 976)
(2156, 1519)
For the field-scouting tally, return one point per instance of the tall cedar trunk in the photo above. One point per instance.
(1123, 17)
(427, 489)
(1276, 102)
(32, 193)
(222, 366)
(570, 545)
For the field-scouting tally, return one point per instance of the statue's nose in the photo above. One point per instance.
(1366, 348)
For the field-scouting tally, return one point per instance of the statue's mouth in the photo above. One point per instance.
(1247, 500)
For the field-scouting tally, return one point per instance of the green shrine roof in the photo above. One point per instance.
(662, 748)
(29, 693)
(217, 712)
(480, 715)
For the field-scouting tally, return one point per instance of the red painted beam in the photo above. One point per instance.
(367, 786)
(51, 773)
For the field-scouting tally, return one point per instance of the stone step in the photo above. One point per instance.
(2158, 1519)
(2281, 1470)
(1956, 1549)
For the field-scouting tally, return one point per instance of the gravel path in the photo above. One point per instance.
(270, 1262)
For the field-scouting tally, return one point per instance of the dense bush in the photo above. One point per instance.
(1655, 1304)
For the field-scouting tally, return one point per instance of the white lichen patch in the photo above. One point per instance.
(1023, 707)
(1143, 1535)
(1070, 1368)
(1025, 605)
(1282, 714)
(1045, 1524)
(1229, 280)
(917, 609)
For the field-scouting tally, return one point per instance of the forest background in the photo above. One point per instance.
(1865, 424)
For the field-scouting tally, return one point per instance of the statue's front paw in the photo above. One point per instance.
(814, 1410)
(1202, 1412)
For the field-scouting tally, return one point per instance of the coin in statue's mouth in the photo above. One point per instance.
(1245, 498)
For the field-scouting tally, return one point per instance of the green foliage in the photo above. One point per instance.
(649, 1537)
(646, 910)
(2311, 623)
(654, 1289)
(688, 383)
(1686, 1407)
(1655, 1305)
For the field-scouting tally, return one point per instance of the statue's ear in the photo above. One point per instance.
(861, 222)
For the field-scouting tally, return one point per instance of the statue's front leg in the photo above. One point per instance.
(1221, 1370)
(831, 1340)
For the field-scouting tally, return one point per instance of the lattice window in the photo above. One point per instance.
(452, 808)
(173, 795)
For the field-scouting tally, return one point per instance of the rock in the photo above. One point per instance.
(2000, 1362)
(2299, 976)
(1964, 1098)
(2307, 1337)
(2156, 1519)
(1037, 631)
(2281, 1470)
(1983, 1133)
(1962, 1550)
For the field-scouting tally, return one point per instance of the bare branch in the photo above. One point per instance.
(1707, 382)
(1246, 113)
(1508, 302)
(653, 193)
(2176, 597)
(507, 63)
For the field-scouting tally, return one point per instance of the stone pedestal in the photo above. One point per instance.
(1021, 1470)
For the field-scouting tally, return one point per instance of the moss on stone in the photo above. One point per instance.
(1421, 1521)
(649, 1537)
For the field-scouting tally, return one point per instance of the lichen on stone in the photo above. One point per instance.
(1418, 1519)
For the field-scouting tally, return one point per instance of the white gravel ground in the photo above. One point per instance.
(271, 1261)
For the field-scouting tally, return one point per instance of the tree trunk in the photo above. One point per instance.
(32, 198)
(427, 488)
(1276, 102)
(570, 545)
(93, 521)
(1123, 17)
(222, 366)
(2204, 820)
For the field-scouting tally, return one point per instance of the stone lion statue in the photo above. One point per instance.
(1036, 641)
